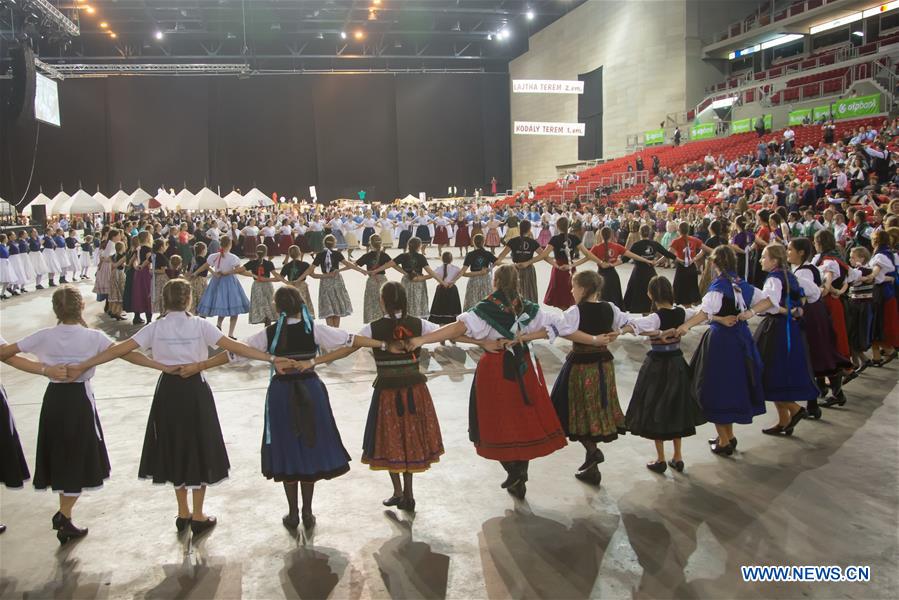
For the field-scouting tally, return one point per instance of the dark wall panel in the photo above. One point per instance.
(158, 132)
(589, 112)
(497, 132)
(438, 125)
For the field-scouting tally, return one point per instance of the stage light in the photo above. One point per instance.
(358, 35)
(113, 34)
(376, 2)
(530, 15)
(343, 35)
(90, 10)
(158, 35)
(104, 25)
(505, 34)
(489, 36)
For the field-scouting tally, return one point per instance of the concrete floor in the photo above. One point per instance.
(826, 496)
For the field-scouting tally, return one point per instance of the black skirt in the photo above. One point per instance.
(859, 319)
(13, 468)
(686, 285)
(663, 405)
(611, 286)
(183, 444)
(636, 299)
(423, 232)
(446, 305)
(405, 236)
(71, 453)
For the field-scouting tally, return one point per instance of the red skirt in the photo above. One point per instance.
(838, 318)
(284, 243)
(272, 246)
(886, 322)
(502, 425)
(463, 238)
(249, 245)
(558, 293)
(441, 237)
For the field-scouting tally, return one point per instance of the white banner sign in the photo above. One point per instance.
(540, 128)
(547, 86)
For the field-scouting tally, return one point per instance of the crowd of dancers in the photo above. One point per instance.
(824, 298)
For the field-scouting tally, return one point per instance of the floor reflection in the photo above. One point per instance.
(312, 573)
(410, 569)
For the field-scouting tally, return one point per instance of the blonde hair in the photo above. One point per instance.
(294, 252)
(330, 241)
(175, 295)
(176, 261)
(68, 305)
(589, 281)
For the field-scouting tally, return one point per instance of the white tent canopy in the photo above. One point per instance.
(39, 200)
(59, 201)
(410, 199)
(209, 200)
(235, 200)
(185, 200)
(165, 199)
(256, 198)
(118, 202)
(105, 202)
(81, 203)
(139, 197)
(6, 208)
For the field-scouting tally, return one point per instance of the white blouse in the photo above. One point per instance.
(571, 320)
(426, 327)
(809, 287)
(325, 336)
(711, 302)
(886, 267)
(178, 339)
(66, 345)
(268, 232)
(652, 322)
(452, 271)
(109, 250)
(250, 231)
(477, 328)
(828, 265)
(223, 263)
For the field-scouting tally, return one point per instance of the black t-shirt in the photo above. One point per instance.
(650, 249)
(263, 268)
(412, 264)
(522, 248)
(565, 247)
(143, 253)
(373, 260)
(336, 259)
(198, 263)
(162, 261)
(479, 260)
(294, 269)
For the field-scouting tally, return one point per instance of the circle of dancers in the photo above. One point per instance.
(822, 304)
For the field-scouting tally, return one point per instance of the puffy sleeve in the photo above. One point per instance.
(475, 327)
(829, 266)
(711, 303)
(259, 341)
(882, 261)
(331, 337)
(365, 331)
(569, 322)
(689, 313)
(544, 320)
(643, 324)
(619, 318)
(809, 288)
(773, 290)
(757, 296)
(427, 327)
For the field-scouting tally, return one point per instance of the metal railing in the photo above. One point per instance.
(773, 13)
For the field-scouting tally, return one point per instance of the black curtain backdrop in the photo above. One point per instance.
(389, 135)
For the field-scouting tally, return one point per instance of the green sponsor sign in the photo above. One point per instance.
(769, 119)
(820, 111)
(797, 116)
(703, 131)
(856, 107)
(741, 126)
(654, 137)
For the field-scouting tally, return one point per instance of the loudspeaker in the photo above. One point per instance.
(39, 216)
(21, 97)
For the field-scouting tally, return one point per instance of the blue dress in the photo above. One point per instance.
(727, 368)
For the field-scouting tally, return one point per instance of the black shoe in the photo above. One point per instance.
(58, 520)
(52, 284)
(838, 400)
(659, 466)
(814, 412)
(800, 414)
(181, 523)
(511, 479)
(716, 448)
(408, 504)
(200, 527)
(67, 531)
(590, 476)
(308, 521)
(392, 501)
(2, 528)
(518, 490)
(733, 442)
(855, 373)
(677, 465)
(776, 430)
(291, 521)
(38, 287)
(63, 280)
(891, 358)
(594, 458)
(138, 321)
(14, 292)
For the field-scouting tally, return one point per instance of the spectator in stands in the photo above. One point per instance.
(808, 197)
(871, 134)
(639, 163)
(762, 153)
(829, 131)
(789, 137)
(655, 165)
(677, 136)
(858, 138)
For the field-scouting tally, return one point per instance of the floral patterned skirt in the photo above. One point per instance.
(586, 398)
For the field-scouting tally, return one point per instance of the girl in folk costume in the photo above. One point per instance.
(545, 231)
(48, 252)
(103, 279)
(71, 451)
(300, 442)
(294, 272)
(833, 274)
(663, 405)
(13, 468)
(60, 252)
(859, 312)
(223, 296)
(446, 307)
(117, 282)
(827, 362)
(385, 230)
(727, 368)
(414, 267)
(197, 275)
(336, 225)
(422, 229)
(374, 262)
(566, 249)
(301, 237)
(607, 255)
(183, 445)
(8, 277)
(142, 287)
(441, 231)
(316, 234)
(402, 434)
(885, 322)
(262, 303)
(159, 263)
(87, 255)
(267, 234)
(478, 267)
(492, 239)
(511, 418)
(130, 264)
(523, 248)
(19, 265)
(513, 227)
(636, 298)
(39, 266)
(585, 396)
(787, 374)
(73, 251)
(687, 250)
(404, 228)
(250, 237)
(285, 237)
(350, 227)
(463, 236)
(368, 228)
(333, 299)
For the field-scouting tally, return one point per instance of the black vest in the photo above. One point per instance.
(293, 342)
(596, 318)
(396, 370)
(671, 318)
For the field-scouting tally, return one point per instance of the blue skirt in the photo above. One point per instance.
(787, 373)
(301, 441)
(423, 232)
(339, 239)
(224, 297)
(366, 235)
(727, 375)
